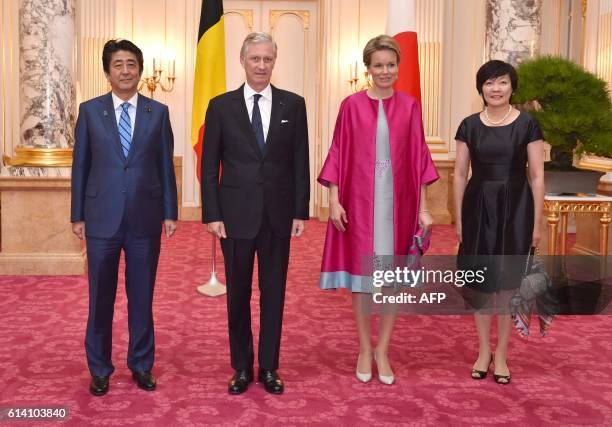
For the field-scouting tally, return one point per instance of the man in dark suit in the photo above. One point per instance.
(123, 190)
(259, 136)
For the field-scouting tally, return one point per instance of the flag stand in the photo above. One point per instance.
(213, 288)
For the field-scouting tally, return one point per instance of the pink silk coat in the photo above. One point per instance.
(351, 163)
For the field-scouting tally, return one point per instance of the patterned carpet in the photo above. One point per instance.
(563, 379)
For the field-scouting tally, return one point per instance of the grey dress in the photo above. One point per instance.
(383, 216)
(383, 189)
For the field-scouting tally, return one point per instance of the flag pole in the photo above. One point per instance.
(213, 288)
(209, 81)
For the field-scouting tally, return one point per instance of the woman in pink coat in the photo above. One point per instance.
(377, 169)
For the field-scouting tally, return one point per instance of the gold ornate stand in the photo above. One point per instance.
(557, 209)
(40, 157)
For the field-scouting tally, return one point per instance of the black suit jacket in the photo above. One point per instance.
(274, 183)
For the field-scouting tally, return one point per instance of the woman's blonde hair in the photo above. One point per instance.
(382, 42)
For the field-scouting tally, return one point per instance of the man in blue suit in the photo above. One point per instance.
(123, 190)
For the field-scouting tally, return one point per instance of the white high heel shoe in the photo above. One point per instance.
(364, 378)
(385, 379)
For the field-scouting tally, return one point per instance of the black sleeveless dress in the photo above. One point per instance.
(497, 209)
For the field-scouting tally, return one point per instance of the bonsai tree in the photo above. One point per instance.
(572, 106)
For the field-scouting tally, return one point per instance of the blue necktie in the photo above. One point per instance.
(257, 124)
(125, 129)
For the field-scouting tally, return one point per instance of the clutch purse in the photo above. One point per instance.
(420, 244)
(422, 240)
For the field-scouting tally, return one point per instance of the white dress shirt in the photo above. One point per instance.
(265, 105)
(133, 101)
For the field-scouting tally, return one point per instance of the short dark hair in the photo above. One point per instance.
(115, 45)
(493, 69)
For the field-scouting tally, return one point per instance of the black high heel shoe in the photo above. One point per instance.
(481, 375)
(501, 379)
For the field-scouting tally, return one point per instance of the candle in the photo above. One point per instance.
(172, 68)
(154, 65)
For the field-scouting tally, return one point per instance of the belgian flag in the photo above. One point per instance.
(209, 79)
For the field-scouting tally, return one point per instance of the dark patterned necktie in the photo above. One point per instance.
(257, 124)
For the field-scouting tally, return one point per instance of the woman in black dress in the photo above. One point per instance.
(498, 212)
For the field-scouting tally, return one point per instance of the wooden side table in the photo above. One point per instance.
(556, 209)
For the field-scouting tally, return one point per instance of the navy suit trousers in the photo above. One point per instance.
(141, 258)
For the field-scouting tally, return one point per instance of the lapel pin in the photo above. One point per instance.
(148, 108)
(105, 113)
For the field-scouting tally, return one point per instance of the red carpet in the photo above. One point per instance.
(564, 379)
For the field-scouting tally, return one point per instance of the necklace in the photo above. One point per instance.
(499, 121)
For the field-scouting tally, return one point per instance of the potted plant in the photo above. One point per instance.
(575, 112)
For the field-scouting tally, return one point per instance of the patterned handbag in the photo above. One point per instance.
(535, 292)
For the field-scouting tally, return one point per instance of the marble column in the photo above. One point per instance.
(513, 29)
(46, 41)
(46, 88)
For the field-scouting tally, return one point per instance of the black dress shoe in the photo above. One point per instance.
(99, 386)
(272, 381)
(239, 383)
(145, 380)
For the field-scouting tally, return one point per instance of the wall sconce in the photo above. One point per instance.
(355, 80)
(153, 80)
